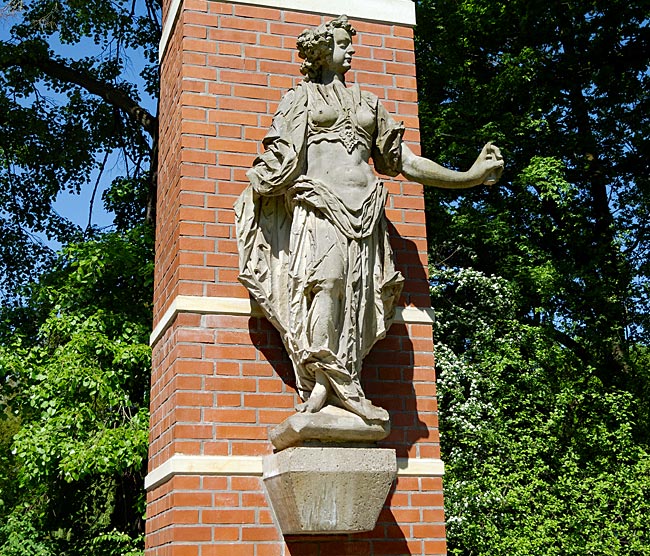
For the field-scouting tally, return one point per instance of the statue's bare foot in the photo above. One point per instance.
(316, 399)
(375, 413)
(313, 405)
(318, 395)
(365, 409)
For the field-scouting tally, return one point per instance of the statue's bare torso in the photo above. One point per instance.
(348, 175)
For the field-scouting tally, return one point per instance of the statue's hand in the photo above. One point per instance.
(488, 166)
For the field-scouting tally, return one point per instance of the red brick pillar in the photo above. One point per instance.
(220, 376)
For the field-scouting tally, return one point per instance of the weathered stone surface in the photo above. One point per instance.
(312, 234)
(330, 425)
(328, 490)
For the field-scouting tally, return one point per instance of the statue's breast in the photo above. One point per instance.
(322, 115)
(366, 119)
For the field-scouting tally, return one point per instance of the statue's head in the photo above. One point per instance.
(315, 46)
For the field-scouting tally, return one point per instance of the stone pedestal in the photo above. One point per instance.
(328, 490)
(331, 425)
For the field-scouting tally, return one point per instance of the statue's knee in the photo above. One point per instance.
(332, 287)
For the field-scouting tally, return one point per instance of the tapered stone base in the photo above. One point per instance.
(321, 490)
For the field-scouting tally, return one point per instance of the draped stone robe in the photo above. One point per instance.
(294, 234)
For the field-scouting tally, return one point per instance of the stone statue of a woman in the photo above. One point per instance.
(313, 246)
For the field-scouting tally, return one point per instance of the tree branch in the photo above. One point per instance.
(62, 72)
(567, 341)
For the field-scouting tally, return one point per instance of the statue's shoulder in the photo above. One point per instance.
(302, 88)
(369, 98)
(293, 98)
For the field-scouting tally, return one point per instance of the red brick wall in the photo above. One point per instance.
(220, 381)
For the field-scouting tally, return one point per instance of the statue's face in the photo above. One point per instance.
(341, 52)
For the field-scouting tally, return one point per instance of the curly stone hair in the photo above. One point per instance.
(315, 46)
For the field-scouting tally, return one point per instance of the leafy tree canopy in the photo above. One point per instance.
(71, 109)
(74, 404)
(541, 283)
(76, 80)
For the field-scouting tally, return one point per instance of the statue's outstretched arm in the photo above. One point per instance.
(486, 169)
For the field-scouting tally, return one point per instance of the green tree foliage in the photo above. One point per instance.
(75, 432)
(71, 108)
(541, 283)
(542, 458)
(75, 82)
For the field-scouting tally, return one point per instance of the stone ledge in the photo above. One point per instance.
(245, 307)
(331, 425)
(180, 464)
(251, 466)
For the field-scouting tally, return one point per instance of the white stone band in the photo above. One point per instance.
(168, 27)
(244, 307)
(251, 466)
(397, 12)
